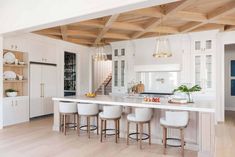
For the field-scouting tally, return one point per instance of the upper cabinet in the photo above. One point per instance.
(203, 55)
(119, 70)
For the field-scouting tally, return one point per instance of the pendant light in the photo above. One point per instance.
(162, 49)
(100, 55)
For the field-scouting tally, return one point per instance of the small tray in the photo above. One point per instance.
(176, 102)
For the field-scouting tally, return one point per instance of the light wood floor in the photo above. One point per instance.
(36, 139)
(225, 136)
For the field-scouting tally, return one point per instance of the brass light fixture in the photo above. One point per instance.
(100, 55)
(162, 49)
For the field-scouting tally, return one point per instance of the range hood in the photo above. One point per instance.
(158, 67)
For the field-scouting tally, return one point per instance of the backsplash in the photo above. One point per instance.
(158, 82)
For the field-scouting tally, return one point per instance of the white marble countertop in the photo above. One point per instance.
(199, 106)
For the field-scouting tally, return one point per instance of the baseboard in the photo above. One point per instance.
(230, 108)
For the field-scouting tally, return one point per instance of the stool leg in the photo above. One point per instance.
(88, 126)
(97, 123)
(137, 132)
(127, 134)
(116, 128)
(141, 133)
(101, 131)
(64, 124)
(60, 123)
(164, 139)
(149, 128)
(74, 121)
(182, 141)
(78, 124)
(105, 125)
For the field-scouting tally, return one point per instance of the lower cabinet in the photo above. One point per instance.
(15, 110)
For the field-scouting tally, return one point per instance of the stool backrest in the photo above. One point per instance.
(87, 109)
(112, 111)
(177, 117)
(67, 107)
(143, 114)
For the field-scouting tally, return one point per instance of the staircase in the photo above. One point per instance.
(106, 87)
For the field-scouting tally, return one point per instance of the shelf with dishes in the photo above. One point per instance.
(15, 73)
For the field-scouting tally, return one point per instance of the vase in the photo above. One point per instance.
(190, 97)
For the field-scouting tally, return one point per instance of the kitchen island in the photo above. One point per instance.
(199, 135)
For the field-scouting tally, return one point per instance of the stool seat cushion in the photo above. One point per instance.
(175, 119)
(111, 112)
(67, 107)
(131, 117)
(87, 109)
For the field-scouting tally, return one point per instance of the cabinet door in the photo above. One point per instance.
(208, 71)
(36, 108)
(8, 112)
(49, 80)
(21, 110)
(198, 70)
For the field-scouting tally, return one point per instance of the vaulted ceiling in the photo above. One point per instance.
(173, 18)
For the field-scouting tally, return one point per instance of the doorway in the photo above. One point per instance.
(229, 77)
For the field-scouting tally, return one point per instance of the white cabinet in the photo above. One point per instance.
(41, 52)
(119, 70)
(15, 110)
(43, 86)
(203, 54)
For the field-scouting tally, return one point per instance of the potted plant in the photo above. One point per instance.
(11, 92)
(188, 91)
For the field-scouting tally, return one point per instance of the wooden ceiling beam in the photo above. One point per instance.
(90, 23)
(49, 32)
(116, 36)
(165, 29)
(229, 28)
(81, 33)
(212, 16)
(63, 30)
(149, 12)
(168, 12)
(80, 41)
(107, 26)
(126, 26)
(190, 16)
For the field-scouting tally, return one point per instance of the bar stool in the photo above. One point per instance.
(88, 111)
(67, 109)
(175, 120)
(110, 113)
(140, 117)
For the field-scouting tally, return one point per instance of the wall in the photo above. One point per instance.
(36, 45)
(34, 15)
(223, 38)
(1, 85)
(229, 55)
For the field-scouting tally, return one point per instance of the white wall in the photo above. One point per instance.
(229, 55)
(1, 83)
(25, 14)
(36, 44)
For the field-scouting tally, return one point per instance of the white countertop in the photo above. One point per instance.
(199, 106)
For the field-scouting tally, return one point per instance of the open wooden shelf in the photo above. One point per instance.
(15, 66)
(14, 81)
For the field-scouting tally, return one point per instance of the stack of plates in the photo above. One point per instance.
(9, 75)
(9, 58)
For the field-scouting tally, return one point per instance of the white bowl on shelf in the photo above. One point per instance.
(11, 94)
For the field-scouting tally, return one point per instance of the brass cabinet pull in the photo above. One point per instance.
(43, 90)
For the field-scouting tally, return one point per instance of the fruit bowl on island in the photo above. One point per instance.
(90, 95)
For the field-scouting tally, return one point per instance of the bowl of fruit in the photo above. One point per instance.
(90, 95)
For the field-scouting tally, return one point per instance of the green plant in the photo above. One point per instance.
(10, 90)
(188, 90)
(185, 89)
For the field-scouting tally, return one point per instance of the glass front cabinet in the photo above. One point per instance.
(203, 71)
(119, 70)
